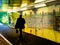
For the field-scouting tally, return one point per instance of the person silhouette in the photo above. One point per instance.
(20, 25)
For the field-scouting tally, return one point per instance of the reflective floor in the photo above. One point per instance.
(31, 37)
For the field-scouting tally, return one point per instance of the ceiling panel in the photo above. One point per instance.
(14, 2)
(19, 2)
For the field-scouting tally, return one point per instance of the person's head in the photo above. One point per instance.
(20, 16)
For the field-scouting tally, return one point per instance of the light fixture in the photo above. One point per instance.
(23, 4)
(49, 1)
(23, 8)
(37, 1)
(39, 5)
(14, 7)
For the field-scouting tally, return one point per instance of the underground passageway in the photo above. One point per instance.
(42, 18)
(28, 39)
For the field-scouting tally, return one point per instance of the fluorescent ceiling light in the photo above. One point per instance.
(50, 0)
(12, 11)
(14, 7)
(18, 9)
(24, 4)
(39, 5)
(38, 1)
(24, 8)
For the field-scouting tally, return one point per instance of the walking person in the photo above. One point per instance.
(20, 25)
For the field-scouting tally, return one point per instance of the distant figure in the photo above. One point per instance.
(20, 25)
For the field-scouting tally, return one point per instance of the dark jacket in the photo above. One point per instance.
(20, 23)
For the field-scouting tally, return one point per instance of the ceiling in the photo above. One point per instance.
(18, 3)
(12, 4)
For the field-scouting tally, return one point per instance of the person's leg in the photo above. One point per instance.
(16, 30)
(20, 37)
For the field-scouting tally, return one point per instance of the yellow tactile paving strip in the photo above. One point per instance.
(45, 33)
